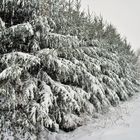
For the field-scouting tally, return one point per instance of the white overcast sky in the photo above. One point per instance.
(124, 14)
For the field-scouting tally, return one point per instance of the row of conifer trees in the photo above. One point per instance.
(59, 64)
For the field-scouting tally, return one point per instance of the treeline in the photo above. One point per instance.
(59, 65)
(69, 19)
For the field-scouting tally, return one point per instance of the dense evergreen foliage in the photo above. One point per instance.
(57, 66)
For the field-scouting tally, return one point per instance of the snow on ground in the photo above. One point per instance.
(120, 123)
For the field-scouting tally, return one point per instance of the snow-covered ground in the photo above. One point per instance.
(120, 123)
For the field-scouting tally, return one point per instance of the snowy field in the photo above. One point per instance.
(121, 123)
